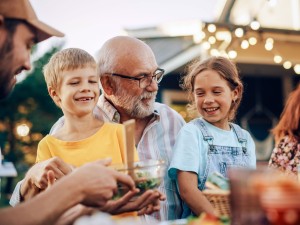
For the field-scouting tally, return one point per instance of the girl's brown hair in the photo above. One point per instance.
(289, 119)
(225, 68)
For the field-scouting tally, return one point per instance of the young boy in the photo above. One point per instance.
(73, 84)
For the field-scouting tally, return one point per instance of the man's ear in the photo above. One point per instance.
(54, 95)
(107, 85)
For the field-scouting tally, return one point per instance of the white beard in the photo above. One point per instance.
(133, 105)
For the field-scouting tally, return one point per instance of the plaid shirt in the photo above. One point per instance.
(156, 143)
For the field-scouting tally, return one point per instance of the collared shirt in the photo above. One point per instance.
(157, 141)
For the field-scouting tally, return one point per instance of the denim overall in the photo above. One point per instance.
(220, 158)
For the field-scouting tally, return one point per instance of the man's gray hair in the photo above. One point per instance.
(105, 61)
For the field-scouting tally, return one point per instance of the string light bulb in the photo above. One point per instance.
(211, 28)
(232, 54)
(297, 68)
(277, 59)
(255, 25)
(212, 40)
(252, 41)
(239, 32)
(269, 46)
(245, 44)
(287, 65)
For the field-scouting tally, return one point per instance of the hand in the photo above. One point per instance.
(147, 203)
(98, 182)
(36, 178)
(50, 178)
(73, 214)
(154, 206)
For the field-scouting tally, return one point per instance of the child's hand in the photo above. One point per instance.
(51, 178)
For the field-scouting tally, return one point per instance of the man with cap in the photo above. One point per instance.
(20, 29)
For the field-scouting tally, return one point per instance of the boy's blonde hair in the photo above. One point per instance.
(225, 68)
(66, 60)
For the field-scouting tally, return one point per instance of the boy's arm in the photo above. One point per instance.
(16, 197)
(36, 179)
(191, 195)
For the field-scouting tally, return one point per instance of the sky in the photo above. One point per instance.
(87, 24)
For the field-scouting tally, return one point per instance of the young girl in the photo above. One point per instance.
(286, 154)
(210, 143)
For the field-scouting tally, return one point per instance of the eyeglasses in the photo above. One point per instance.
(144, 80)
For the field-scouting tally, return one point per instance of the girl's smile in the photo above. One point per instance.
(213, 98)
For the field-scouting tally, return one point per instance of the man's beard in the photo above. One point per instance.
(6, 71)
(133, 105)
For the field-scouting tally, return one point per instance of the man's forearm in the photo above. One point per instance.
(45, 208)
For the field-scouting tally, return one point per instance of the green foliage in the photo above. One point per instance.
(28, 104)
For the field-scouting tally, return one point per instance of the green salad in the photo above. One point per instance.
(145, 182)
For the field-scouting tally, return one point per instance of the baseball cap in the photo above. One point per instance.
(22, 9)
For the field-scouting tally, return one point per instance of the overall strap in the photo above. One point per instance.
(206, 134)
(239, 133)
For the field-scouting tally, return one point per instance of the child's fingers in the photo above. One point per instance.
(50, 178)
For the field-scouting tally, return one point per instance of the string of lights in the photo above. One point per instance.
(230, 40)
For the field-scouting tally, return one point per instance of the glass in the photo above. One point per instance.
(147, 174)
(244, 199)
(280, 199)
(144, 80)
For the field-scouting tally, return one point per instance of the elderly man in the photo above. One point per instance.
(129, 77)
(20, 29)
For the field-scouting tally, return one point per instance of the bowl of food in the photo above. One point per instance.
(147, 175)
